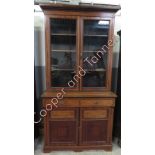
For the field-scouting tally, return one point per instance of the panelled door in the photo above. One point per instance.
(94, 124)
(79, 43)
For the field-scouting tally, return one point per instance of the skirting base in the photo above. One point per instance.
(48, 149)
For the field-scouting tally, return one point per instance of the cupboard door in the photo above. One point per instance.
(63, 126)
(94, 132)
(95, 53)
(63, 51)
(93, 126)
(62, 133)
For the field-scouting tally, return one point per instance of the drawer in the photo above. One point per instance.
(66, 102)
(62, 114)
(69, 102)
(97, 102)
(94, 113)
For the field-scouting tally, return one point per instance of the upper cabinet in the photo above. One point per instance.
(74, 44)
(78, 41)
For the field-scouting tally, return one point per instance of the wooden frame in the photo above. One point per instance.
(79, 49)
(109, 67)
(48, 49)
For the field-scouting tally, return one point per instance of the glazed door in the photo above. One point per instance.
(96, 54)
(62, 52)
(77, 44)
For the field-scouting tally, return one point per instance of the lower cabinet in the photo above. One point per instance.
(80, 126)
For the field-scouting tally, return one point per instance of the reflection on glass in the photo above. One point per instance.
(94, 27)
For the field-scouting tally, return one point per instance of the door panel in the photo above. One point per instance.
(63, 126)
(63, 132)
(93, 126)
(94, 132)
(95, 53)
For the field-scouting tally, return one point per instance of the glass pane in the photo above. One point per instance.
(61, 77)
(94, 57)
(63, 51)
(63, 61)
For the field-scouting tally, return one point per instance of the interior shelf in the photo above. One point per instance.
(85, 35)
(56, 50)
(87, 70)
(61, 69)
(95, 70)
(63, 34)
(89, 51)
(95, 35)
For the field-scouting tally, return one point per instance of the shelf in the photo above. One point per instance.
(95, 28)
(89, 51)
(87, 70)
(59, 69)
(95, 70)
(54, 50)
(92, 51)
(72, 34)
(63, 34)
(94, 35)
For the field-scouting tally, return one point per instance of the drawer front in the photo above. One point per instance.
(66, 102)
(60, 114)
(69, 103)
(93, 114)
(97, 102)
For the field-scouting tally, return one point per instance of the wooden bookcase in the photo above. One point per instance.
(78, 77)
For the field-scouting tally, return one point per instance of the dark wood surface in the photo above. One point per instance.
(62, 132)
(79, 125)
(80, 129)
(81, 94)
(81, 102)
(81, 7)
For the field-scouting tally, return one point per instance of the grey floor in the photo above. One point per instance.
(39, 147)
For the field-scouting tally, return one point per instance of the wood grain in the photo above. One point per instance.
(63, 114)
(94, 114)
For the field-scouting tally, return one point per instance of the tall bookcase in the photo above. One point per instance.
(78, 98)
